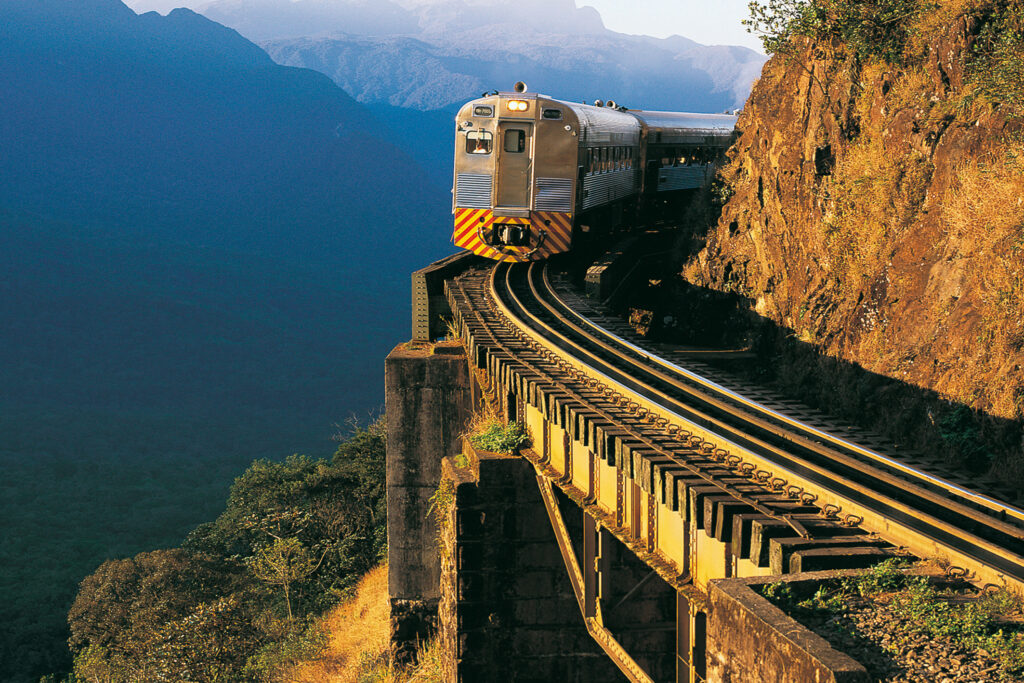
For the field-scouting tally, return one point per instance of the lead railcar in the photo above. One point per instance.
(534, 174)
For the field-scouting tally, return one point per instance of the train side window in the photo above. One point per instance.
(515, 140)
(479, 142)
(555, 114)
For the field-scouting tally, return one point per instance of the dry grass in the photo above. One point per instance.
(984, 210)
(357, 643)
(357, 630)
(877, 196)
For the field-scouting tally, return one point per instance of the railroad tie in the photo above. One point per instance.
(763, 529)
(818, 559)
(781, 550)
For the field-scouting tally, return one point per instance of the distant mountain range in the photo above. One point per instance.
(175, 126)
(434, 54)
(414, 62)
(271, 19)
(433, 72)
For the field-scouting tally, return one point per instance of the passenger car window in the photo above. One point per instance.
(483, 111)
(515, 140)
(479, 142)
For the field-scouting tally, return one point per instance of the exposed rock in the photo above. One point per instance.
(875, 213)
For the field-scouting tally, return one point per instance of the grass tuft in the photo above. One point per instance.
(496, 436)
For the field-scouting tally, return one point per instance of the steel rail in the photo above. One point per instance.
(640, 438)
(988, 520)
(996, 506)
(937, 531)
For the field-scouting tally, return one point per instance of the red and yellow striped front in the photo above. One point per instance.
(552, 229)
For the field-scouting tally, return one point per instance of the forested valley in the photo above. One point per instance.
(238, 600)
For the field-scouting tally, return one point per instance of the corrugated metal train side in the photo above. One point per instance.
(533, 174)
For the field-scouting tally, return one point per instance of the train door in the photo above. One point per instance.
(515, 163)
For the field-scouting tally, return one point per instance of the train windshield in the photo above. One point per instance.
(479, 142)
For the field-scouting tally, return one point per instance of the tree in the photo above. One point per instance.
(337, 507)
(282, 564)
(209, 645)
(870, 28)
(121, 607)
(310, 527)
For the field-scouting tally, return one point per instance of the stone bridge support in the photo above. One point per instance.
(428, 402)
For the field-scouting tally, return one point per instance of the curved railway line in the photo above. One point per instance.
(763, 463)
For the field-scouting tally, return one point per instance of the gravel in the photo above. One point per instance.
(881, 639)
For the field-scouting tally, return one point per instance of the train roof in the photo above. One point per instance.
(603, 124)
(681, 124)
(609, 125)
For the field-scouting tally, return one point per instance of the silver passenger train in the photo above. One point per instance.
(533, 174)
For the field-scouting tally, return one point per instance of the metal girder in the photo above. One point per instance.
(585, 585)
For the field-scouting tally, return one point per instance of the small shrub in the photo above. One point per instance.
(960, 429)
(497, 437)
(273, 662)
(440, 504)
(835, 600)
(883, 577)
(780, 592)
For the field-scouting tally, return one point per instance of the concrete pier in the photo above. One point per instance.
(508, 609)
(428, 402)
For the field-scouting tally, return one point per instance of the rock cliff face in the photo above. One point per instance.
(875, 213)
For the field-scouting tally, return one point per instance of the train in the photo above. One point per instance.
(536, 176)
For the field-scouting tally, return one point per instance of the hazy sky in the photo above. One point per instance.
(712, 22)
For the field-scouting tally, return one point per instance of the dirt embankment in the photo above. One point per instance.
(872, 220)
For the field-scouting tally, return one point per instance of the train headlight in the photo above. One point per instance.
(517, 105)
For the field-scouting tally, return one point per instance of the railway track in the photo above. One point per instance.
(761, 472)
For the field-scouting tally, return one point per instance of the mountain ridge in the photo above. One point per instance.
(438, 72)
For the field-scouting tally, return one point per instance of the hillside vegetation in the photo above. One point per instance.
(871, 217)
(241, 599)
